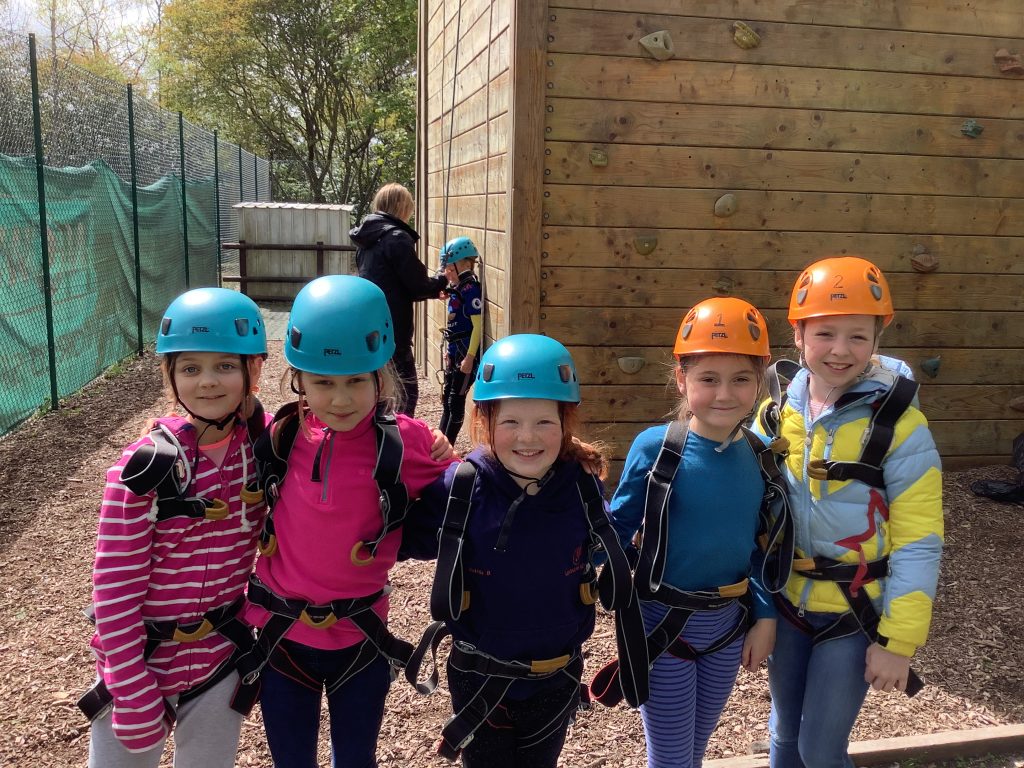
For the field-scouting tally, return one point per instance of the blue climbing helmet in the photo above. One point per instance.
(456, 249)
(212, 320)
(339, 325)
(527, 366)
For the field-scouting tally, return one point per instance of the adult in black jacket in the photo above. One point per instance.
(387, 257)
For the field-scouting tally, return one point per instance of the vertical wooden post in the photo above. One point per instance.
(243, 253)
(526, 156)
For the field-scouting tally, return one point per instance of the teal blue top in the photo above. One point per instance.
(713, 513)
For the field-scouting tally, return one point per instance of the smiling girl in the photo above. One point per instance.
(706, 553)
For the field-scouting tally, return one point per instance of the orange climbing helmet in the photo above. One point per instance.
(841, 285)
(728, 325)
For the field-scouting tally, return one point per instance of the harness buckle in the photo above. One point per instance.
(205, 628)
(356, 559)
(544, 666)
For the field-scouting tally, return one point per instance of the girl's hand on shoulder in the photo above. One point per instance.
(758, 644)
(885, 670)
(441, 449)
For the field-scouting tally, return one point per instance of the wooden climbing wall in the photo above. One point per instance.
(844, 131)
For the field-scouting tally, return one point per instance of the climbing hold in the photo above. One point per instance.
(1017, 403)
(644, 244)
(598, 157)
(971, 128)
(724, 286)
(931, 366)
(1009, 62)
(659, 45)
(631, 365)
(744, 36)
(922, 261)
(726, 206)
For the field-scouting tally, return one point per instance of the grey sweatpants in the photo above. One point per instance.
(205, 735)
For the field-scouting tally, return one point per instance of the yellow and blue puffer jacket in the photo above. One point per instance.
(853, 522)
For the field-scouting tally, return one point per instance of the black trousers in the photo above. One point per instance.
(453, 398)
(405, 364)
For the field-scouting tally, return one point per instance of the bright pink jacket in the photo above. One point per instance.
(318, 523)
(177, 569)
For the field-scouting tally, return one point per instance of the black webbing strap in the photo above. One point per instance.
(446, 593)
(776, 516)
(651, 566)
(862, 616)
(223, 620)
(387, 473)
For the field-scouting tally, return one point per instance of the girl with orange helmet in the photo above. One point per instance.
(696, 488)
(864, 479)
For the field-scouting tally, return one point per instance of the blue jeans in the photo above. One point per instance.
(291, 709)
(817, 691)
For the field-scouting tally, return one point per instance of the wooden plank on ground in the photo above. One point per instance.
(617, 33)
(595, 326)
(631, 165)
(599, 365)
(945, 745)
(685, 124)
(571, 204)
(701, 82)
(760, 249)
(624, 287)
(1001, 18)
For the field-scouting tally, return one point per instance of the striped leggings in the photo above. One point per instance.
(687, 698)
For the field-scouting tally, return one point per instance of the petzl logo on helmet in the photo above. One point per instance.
(200, 329)
(719, 335)
(331, 352)
(837, 297)
(524, 375)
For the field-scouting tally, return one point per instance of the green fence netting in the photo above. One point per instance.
(185, 184)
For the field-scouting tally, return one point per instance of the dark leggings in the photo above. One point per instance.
(405, 364)
(453, 399)
(498, 742)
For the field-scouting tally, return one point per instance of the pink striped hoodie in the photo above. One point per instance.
(176, 569)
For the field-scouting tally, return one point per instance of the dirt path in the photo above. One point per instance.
(51, 471)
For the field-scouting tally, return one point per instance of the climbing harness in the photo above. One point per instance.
(849, 578)
(448, 600)
(776, 539)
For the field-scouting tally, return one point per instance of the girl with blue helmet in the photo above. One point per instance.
(464, 331)
(515, 574)
(339, 467)
(696, 487)
(177, 536)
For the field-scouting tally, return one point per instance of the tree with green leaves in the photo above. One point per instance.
(325, 88)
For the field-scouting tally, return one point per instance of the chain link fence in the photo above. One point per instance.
(134, 201)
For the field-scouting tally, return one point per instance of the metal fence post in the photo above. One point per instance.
(216, 202)
(135, 217)
(184, 196)
(256, 176)
(44, 232)
(241, 186)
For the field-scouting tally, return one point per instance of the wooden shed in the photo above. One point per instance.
(609, 190)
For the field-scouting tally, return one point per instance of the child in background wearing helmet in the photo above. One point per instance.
(512, 580)
(872, 531)
(177, 537)
(712, 515)
(463, 334)
(346, 467)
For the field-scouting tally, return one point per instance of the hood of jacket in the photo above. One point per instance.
(375, 226)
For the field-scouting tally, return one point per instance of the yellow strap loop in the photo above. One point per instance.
(356, 559)
(541, 666)
(251, 497)
(327, 621)
(465, 600)
(190, 637)
(217, 510)
(816, 469)
(588, 592)
(734, 590)
(270, 548)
